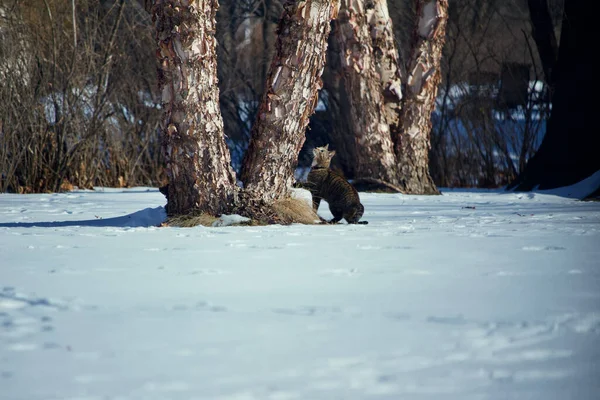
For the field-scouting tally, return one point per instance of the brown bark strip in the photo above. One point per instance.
(293, 82)
(424, 76)
(374, 148)
(198, 161)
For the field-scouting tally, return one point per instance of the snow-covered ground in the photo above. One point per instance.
(469, 295)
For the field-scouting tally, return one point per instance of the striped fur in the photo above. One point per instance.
(324, 183)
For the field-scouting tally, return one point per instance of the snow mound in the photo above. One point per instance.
(229, 220)
(302, 194)
(579, 190)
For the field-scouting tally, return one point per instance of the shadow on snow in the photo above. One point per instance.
(144, 218)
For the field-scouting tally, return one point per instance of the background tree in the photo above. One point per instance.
(423, 79)
(95, 111)
(331, 124)
(380, 116)
(542, 31)
(566, 154)
(373, 143)
(388, 63)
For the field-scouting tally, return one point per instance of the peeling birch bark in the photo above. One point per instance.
(386, 62)
(424, 76)
(198, 161)
(374, 149)
(293, 82)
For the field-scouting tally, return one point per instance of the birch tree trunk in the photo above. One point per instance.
(293, 82)
(198, 161)
(424, 76)
(374, 148)
(386, 62)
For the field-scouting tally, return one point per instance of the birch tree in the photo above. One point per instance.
(387, 62)
(199, 171)
(400, 143)
(423, 79)
(293, 82)
(374, 148)
(197, 159)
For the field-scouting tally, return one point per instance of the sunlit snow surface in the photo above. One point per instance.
(468, 295)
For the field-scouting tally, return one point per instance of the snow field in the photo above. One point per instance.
(470, 295)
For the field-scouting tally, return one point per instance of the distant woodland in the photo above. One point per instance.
(81, 104)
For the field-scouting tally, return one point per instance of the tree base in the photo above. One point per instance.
(260, 212)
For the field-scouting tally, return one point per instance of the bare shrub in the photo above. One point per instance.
(492, 104)
(79, 107)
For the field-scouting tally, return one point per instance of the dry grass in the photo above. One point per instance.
(284, 212)
(190, 220)
(295, 211)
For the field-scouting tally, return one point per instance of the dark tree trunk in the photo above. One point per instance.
(341, 137)
(293, 83)
(198, 162)
(569, 152)
(542, 30)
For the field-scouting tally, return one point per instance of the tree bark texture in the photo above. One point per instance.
(293, 82)
(198, 161)
(374, 148)
(424, 76)
(568, 153)
(341, 136)
(387, 62)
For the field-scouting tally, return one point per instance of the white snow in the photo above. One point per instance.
(229, 220)
(474, 294)
(579, 190)
(302, 194)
